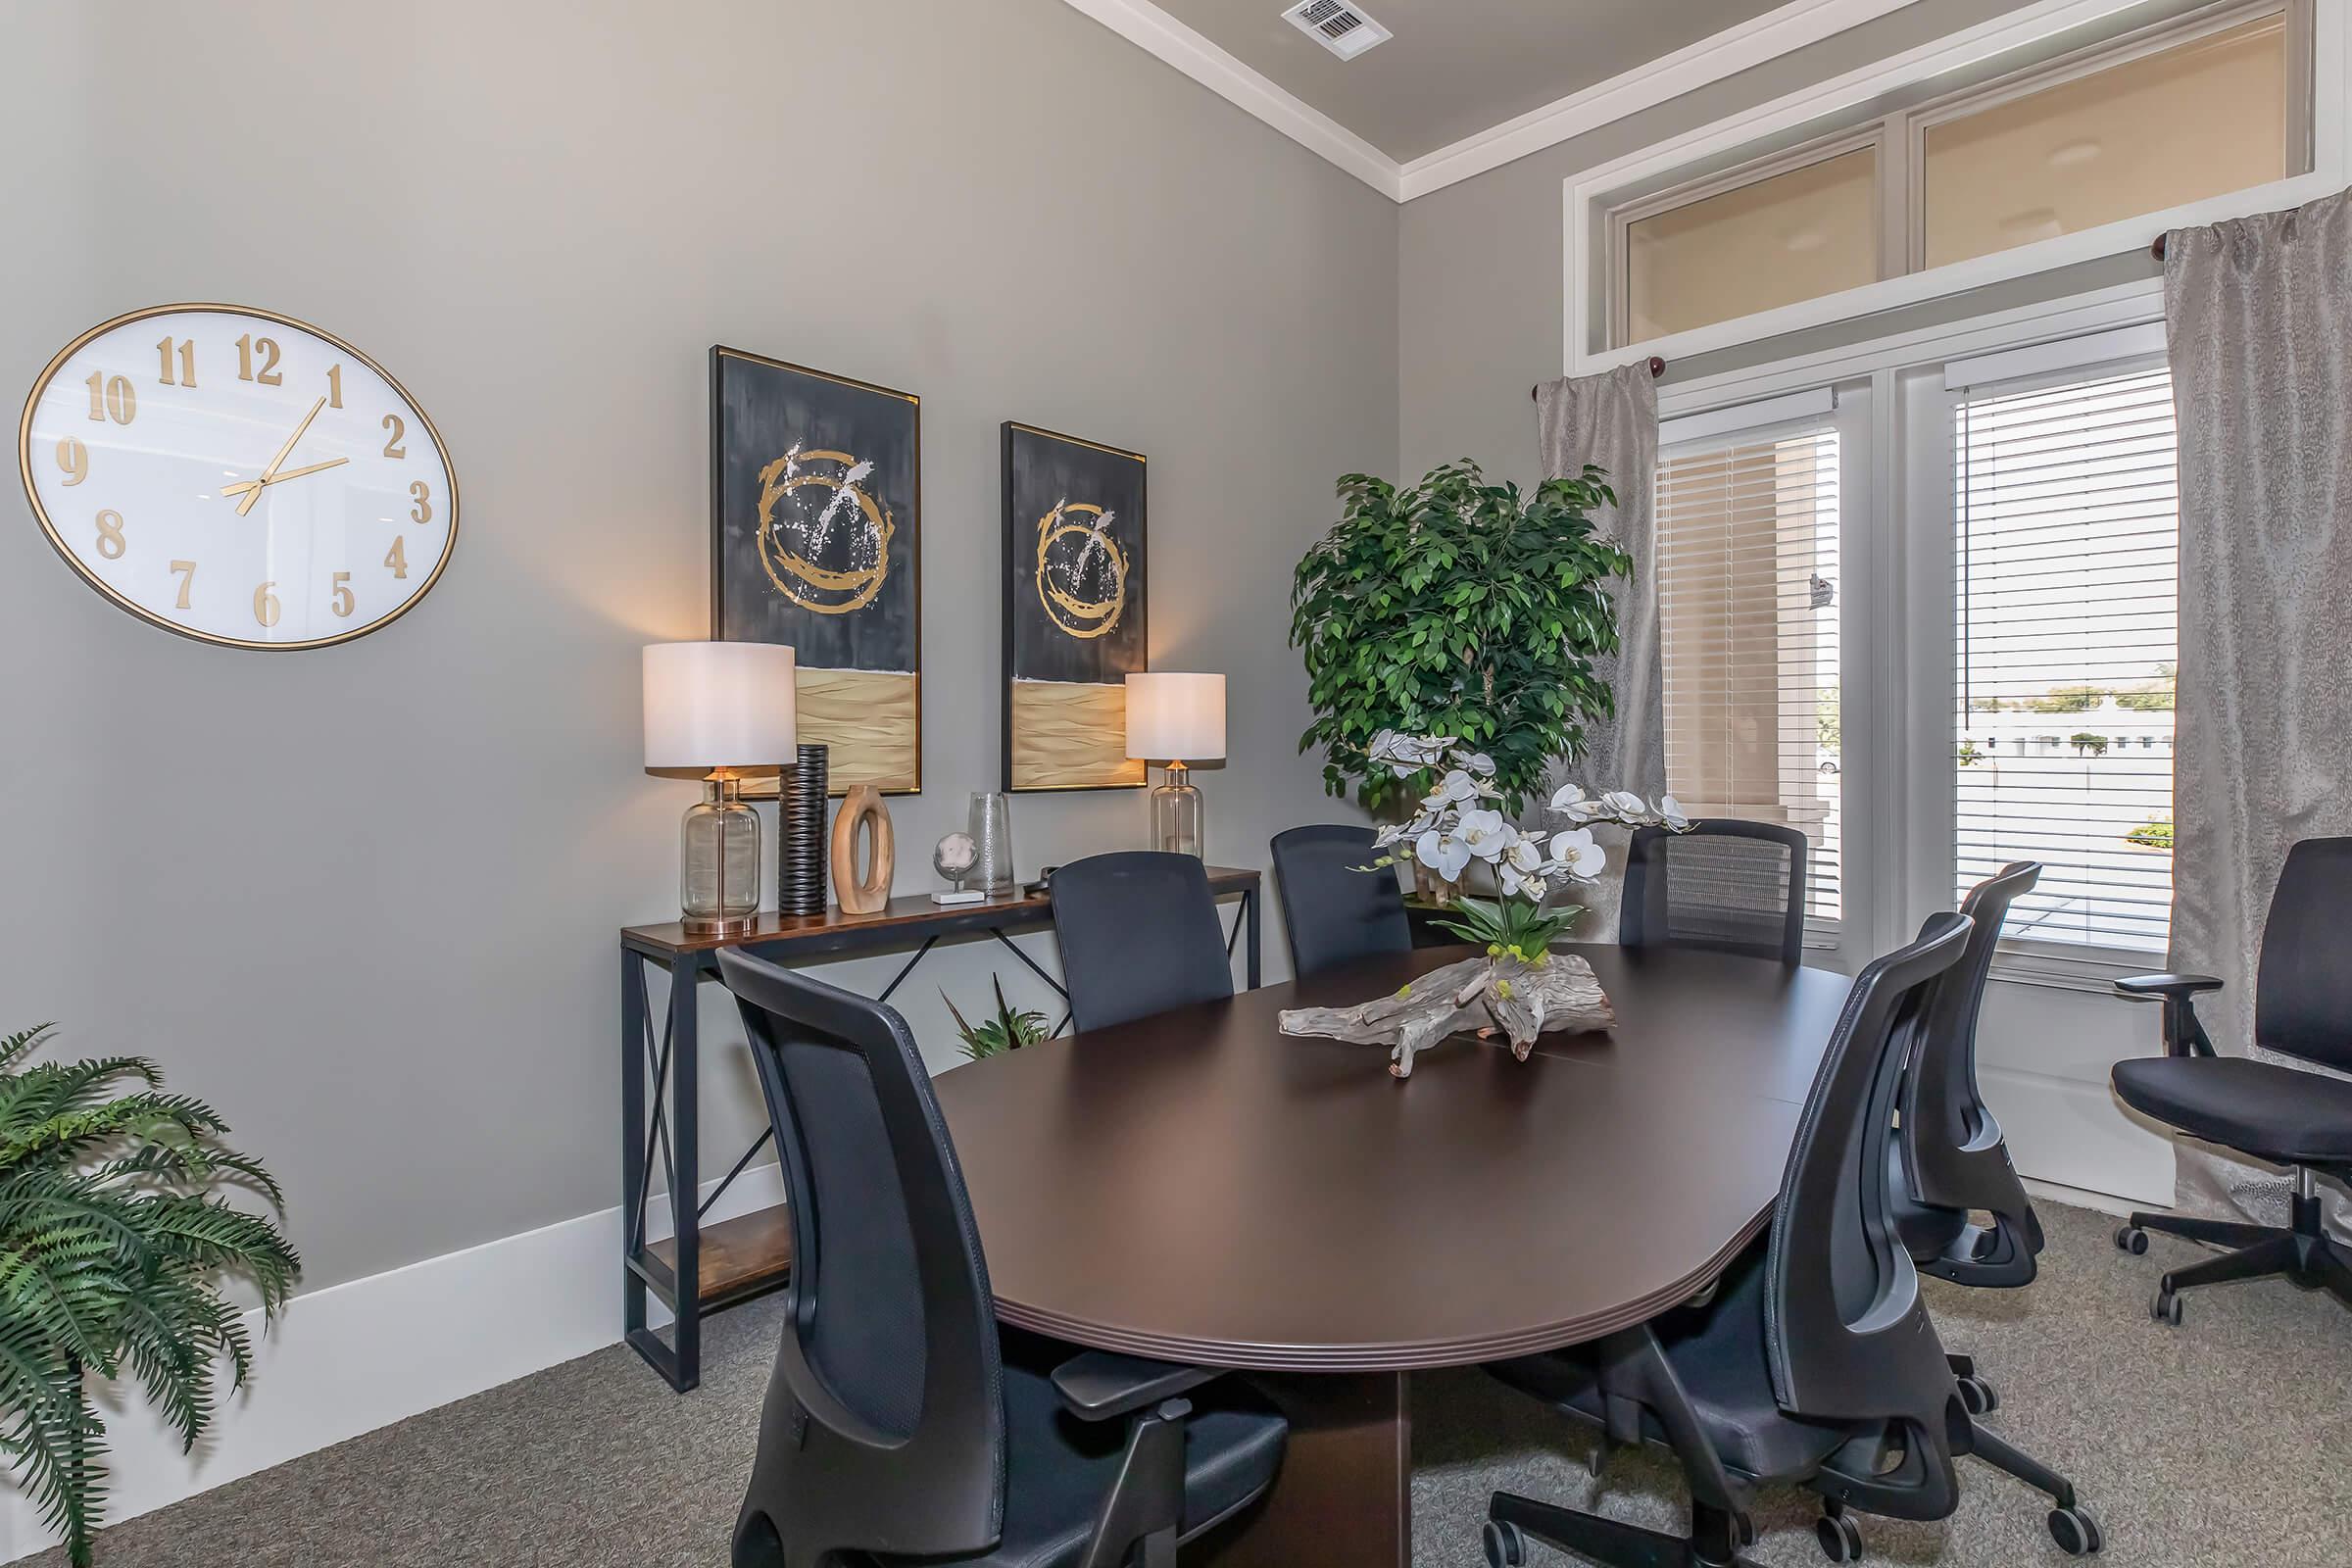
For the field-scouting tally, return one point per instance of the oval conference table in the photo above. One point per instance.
(1199, 1187)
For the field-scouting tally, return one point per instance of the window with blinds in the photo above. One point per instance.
(2068, 542)
(1747, 610)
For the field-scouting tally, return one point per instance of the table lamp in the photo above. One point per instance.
(719, 707)
(1171, 717)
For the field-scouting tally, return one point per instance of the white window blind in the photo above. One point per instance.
(2067, 543)
(1747, 609)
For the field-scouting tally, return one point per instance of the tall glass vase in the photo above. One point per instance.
(992, 836)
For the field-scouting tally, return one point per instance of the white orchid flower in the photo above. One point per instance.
(1486, 835)
(1567, 798)
(1575, 853)
(1525, 855)
(1457, 788)
(1670, 812)
(1481, 764)
(1389, 835)
(1628, 806)
(1444, 855)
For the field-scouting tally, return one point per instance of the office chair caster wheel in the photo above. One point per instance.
(2076, 1531)
(1840, 1536)
(1505, 1547)
(1979, 1396)
(2132, 1238)
(1597, 1461)
(2165, 1308)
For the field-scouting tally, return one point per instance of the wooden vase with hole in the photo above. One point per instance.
(869, 892)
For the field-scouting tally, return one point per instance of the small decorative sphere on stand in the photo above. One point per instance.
(955, 857)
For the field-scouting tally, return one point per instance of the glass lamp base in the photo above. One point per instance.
(719, 879)
(1179, 820)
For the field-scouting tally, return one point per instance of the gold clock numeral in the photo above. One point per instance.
(74, 459)
(187, 581)
(111, 543)
(341, 599)
(397, 558)
(270, 374)
(113, 397)
(334, 387)
(265, 605)
(187, 362)
(422, 494)
(399, 428)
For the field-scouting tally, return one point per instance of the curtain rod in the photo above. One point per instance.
(1657, 367)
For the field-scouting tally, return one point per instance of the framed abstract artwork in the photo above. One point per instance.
(816, 541)
(1075, 598)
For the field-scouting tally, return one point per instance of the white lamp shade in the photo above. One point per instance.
(1176, 717)
(719, 704)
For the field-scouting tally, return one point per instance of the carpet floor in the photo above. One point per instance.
(2219, 1442)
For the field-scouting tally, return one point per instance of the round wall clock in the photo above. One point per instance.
(240, 477)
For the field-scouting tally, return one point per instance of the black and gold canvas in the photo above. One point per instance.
(1074, 610)
(816, 523)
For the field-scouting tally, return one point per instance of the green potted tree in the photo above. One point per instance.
(114, 1240)
(1462, 610)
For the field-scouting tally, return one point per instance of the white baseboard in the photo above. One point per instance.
(366, 1353)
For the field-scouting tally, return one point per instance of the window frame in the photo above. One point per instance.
(2030, 959)
(2140, 43)
(2324, 57)
(1846, 408)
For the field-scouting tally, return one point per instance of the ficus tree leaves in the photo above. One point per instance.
(1457, 607)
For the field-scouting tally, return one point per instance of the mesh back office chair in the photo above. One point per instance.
(1948, 1162)
(1726, 885)
(1330, 911)
(2302, 1008)
(1138, 935)
(899, 1423)
(1812, 1360)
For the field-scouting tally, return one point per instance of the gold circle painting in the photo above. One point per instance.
(1070, 555)
(823, 540)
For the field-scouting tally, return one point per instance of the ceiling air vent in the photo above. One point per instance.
(1343, 30)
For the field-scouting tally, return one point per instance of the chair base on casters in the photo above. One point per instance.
(2302, 1251)
(1715, 1538)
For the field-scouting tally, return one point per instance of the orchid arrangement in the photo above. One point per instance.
(1457, 824)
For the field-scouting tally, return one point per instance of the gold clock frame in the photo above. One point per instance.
(32, 401)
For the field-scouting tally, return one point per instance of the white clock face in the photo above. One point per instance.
(239, 476)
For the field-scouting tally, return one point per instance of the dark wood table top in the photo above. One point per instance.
(1199, 1187)
(913, 915)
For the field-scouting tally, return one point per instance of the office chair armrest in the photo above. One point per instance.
(2184, 1034)
(1097, 1386)
(2167, 986)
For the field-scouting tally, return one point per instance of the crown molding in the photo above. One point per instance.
(1775, 32)
(1150, 29)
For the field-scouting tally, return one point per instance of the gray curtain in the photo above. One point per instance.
(2258, 315)
(1611, 421)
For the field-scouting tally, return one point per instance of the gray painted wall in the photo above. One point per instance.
(364, 898)
(1480, 278)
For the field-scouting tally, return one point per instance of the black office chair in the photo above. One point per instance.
(1331, 911)
(1811, 1361)
(2302, 1008)
(1949, 1160)
(899, 1425)
(1726, 885)
(1138, 935)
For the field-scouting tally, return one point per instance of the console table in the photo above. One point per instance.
(736, 1258)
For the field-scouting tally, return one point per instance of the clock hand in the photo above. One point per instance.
(245, 506)
(279, 477)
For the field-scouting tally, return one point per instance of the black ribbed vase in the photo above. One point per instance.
(801, 837)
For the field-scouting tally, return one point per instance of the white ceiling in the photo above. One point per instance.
(1457, 68)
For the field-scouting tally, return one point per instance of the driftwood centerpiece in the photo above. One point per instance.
(1558, 993)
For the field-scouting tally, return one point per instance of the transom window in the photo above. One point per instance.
(2199, 106)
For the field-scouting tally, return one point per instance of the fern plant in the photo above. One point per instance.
(114, 1244)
